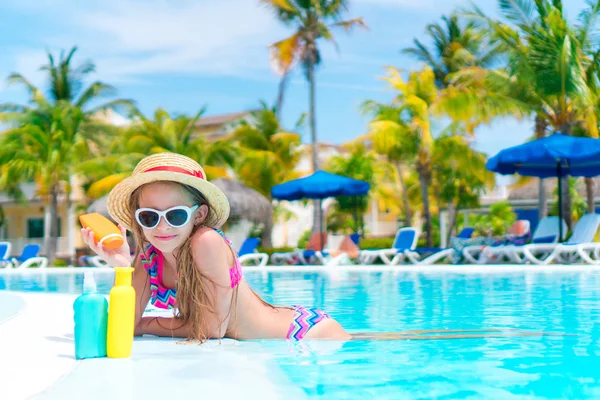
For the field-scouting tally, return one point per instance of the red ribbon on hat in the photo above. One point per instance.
(167, 168)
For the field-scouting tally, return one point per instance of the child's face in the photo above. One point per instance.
(161, 196)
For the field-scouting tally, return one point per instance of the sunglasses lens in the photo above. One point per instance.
(177, 217)
(148, 219)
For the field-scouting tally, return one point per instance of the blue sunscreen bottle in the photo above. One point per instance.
(91, 318)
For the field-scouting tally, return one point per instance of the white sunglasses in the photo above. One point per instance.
(176, 216)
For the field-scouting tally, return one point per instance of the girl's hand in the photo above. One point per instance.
(115, 257)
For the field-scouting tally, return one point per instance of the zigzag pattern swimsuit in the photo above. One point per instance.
(304, 320)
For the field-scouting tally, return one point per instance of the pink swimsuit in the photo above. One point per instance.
(164, 297)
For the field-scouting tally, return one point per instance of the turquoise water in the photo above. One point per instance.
(555, 367)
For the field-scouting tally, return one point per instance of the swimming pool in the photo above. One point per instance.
(504, 368)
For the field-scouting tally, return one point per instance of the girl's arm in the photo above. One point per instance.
(163, 326)
(141, 284)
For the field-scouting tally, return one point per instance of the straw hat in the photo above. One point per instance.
(167, 167)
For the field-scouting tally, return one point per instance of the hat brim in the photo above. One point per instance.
(118, 198)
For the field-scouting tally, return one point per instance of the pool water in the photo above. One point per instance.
(556, 367)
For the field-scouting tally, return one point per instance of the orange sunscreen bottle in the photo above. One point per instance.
(105, 232)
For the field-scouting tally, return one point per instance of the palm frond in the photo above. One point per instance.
(348, 25)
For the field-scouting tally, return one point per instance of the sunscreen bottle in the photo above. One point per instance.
(105, 232)
(90, 320)
(121, 315)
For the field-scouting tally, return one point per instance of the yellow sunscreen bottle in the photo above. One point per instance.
(121, 315)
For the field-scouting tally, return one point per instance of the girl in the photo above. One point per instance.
(184, 262)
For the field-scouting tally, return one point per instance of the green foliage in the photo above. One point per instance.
(60, 263)
(497, 221)
(256, 231)
(578, 203)
(268, 153)
(303, 241)
(359, 164)
(271, 250)
(376, 243)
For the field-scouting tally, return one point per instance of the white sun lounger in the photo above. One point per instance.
(584, 233)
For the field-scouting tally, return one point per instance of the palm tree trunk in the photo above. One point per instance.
(452, 217)
(542, 199)
(424, 180)
(51, 240)
(281, 92)
(405, 202)
(590, 186)
(313, 134)
(267, 232)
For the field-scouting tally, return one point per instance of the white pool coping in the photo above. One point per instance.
(461, 269)
(37, 353)
(438, 268)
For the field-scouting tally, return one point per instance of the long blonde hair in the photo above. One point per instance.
(193, 303)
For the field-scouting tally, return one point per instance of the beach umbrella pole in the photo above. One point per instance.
(560, 200)
(321, 223)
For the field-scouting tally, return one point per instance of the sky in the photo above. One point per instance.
(187, 54)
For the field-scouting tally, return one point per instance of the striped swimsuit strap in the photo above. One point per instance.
(304, 320)
(160, 296)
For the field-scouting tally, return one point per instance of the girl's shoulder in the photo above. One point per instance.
(208, 235)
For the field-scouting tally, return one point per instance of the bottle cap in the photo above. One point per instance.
(123, 276)
(89, 282)
(112, 241)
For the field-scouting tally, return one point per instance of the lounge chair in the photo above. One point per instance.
(406, 239)
(5, 248)
(486, 253)
(435, 254)
(317, 242)
(546, 232)
(29, 257)
(97, 262)
(248, 252)
(347, 251)
(584, 232)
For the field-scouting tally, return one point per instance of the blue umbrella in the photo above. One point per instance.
(557, 156)
(319, 185)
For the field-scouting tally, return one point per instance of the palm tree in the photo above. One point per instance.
(312, 21)
(459, 173)
(388, 134)
(48, 139)
(548, 65)
(455, 46)
(359, 164)
(161, 133)
(419, 103)
(268, 153)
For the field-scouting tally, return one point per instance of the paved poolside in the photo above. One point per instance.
(36, 345)
(10, 305)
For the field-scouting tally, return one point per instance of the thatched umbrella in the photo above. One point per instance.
(245, 202)
(99, 206)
